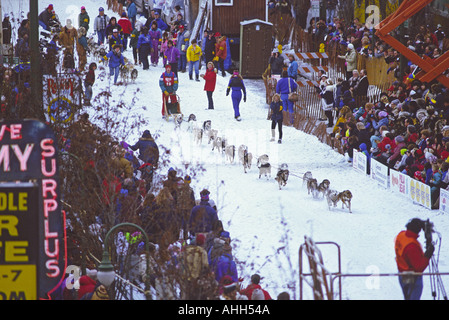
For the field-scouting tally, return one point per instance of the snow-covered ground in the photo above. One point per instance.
(268, 225)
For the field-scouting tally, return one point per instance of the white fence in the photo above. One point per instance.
(388, 178)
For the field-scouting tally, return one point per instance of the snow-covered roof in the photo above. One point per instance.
(245, 22)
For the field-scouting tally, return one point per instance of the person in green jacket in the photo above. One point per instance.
(83, 19)
(133, 41)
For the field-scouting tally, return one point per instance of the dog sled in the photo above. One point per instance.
(172, 108)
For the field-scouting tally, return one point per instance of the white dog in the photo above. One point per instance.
(217, 143)
(178, 118)
(230, 153)
(198, 135)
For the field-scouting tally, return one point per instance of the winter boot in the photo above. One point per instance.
(280, 141)
(190, 77)
(272, 134)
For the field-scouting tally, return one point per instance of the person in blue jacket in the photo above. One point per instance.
(182, 44)
(148, 149)
(160, 23)
(284, 86)
(293, 67)
(203, 217)
(116, 60)
(144, 47)
(132, 12)
(238, 90)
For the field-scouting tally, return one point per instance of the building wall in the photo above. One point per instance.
(226, 19)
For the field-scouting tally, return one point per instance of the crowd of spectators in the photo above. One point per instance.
(404, 128)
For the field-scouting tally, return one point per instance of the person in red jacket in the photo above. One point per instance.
(209, 86)
(127, 29)
(410, 258)
(248, 291)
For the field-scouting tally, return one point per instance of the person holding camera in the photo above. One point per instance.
(411, 258)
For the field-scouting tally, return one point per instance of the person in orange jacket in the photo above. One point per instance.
(410, 257)
(220, 52)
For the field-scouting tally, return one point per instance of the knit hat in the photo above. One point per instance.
(204, 195)
(350, 46)
(187, 179)
(257, 295)
(200, 239)
(100, 293)
(225, 234)
(383, 114)
(226, 280)
(50, 6)
(399, 139)
(83, 8)
(123, 14)
(415, 225)
(101, 9)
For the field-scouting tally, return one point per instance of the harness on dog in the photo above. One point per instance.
(283, 174)
(265, 165)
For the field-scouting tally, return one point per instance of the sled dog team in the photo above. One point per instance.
(245, 158)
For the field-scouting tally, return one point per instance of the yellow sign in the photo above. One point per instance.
(18, 247)
(18, 282)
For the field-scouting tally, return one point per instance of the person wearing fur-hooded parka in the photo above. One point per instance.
(68, 37)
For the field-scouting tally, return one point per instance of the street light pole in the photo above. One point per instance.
(35, 59)
(106, 269)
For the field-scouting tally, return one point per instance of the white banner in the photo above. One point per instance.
(379, 172)
(359, 161)
(399, 182)
(420, 193)
(444, 201)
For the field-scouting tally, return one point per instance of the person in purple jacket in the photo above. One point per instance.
(172, 55)
(156, 40)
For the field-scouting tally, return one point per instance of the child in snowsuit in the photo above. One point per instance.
(116, 59)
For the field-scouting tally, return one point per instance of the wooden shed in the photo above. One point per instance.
(227, 14)
(256, 43)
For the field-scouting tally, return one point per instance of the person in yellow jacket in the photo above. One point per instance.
(194, 54)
